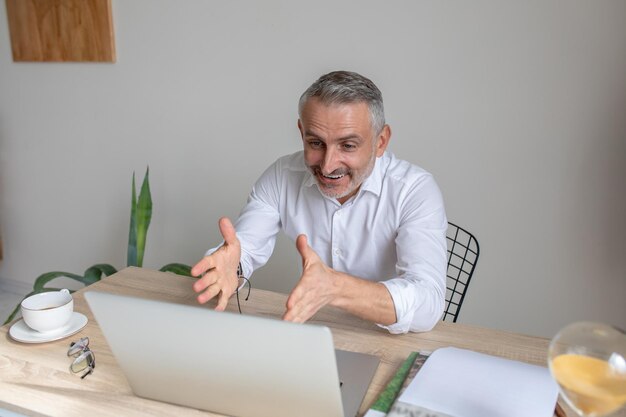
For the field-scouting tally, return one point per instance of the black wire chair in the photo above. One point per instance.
(463, 251)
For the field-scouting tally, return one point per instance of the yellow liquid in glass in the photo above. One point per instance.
(591, 384)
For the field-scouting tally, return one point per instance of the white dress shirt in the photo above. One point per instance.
(392, 231)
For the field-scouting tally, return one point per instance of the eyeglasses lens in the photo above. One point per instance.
(82, 362)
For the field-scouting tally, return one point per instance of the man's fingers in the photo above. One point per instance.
(303, 247)
(222, 301)
(300, 313)
(314, 290)
(309, 256)
(300, 308)
(295, 316)
(202, 266)
(217, 272)
(290, 305)
(211, 292)
(292, 299)
(228, 231)
(205, 281)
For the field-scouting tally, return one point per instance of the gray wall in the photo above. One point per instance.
(517, 108)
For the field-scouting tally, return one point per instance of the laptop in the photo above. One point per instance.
(229, 363)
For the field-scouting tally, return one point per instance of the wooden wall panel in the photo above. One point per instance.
(61, 30)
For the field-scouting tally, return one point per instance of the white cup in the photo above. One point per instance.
(48, 311)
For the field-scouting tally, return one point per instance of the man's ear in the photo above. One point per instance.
(300, 129)
(383, 140)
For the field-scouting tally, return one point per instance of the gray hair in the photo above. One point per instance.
(342, 87)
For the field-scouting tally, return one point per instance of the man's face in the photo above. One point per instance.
(340, 147)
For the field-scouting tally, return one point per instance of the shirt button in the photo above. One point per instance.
(338, 252)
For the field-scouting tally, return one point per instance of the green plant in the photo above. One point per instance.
(140, 216)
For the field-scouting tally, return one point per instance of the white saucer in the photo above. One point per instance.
(22, 333)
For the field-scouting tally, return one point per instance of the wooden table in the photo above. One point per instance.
(35, 378)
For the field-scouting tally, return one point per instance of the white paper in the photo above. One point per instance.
(463, 383)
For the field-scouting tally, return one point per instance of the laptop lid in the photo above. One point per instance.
(224, 362)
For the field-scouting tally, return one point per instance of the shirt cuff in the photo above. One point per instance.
(417, 306)
(398, 291)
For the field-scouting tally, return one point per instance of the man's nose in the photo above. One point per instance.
(330, 162)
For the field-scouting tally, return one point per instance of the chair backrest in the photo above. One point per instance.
(463, 251)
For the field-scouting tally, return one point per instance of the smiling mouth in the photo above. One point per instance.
(333, 177)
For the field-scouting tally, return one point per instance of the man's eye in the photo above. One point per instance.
(315, 144)
(349, 146)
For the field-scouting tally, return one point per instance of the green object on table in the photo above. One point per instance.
(388, 396)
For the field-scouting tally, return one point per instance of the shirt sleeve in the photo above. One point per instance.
(418, 292)
(259, 222)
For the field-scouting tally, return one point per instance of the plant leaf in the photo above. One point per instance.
(95, 272)
(107, 269)
(43, 279)
(144, 215)
(180, 269)
(131, 259)
(13, 314)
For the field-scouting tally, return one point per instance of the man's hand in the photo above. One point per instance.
(219, 269)
(317, 287)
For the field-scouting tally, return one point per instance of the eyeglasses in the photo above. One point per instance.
(84, 357)
(246, 281)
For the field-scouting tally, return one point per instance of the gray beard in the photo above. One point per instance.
(354, 184)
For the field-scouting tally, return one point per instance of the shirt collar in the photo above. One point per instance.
(374, 183)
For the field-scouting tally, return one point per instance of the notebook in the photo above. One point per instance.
(231, 364)
(463, 383)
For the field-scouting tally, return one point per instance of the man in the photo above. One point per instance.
(370, 228)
